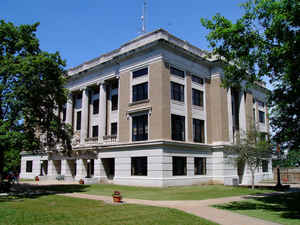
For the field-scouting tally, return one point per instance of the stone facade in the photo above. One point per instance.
(152, 113)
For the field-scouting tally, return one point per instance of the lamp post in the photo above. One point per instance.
(278, 185)
(89, 168)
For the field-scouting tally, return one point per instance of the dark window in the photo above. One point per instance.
(200, 166)
(179, 166)
(261, 117)
(140, 73)
(265, 165)
(140, 128)
(178, 127)
(113, 128)
(254, 115)
(139, 166)
(197, 80)
(92, 165)
(78, 121)
(29, 166)
(140, 92)
(64, 112)
(177, 72)
(177, 92)
(197, 97)
(115, 85)
(114, 102)
(95, 131)
(198, 130)
(96, 106)
(78, 101)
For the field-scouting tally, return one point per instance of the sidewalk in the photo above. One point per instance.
(199, 208)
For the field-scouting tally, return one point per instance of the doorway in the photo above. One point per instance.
(109, 167)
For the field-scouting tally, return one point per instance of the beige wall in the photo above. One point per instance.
(249, 111)
(217, 111)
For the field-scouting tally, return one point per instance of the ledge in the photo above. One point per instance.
(139, 102)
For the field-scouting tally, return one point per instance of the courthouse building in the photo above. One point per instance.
(152, 113)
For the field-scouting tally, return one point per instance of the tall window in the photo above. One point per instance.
(78, 101)
(200, 166)
(96, 106)
(178, 127)
(197, 80)
(177, 92)
(95, 131)
(139, 166)
(261, 116)
(140, 92)
(78, 120)
(113, 128)
(179, 166)
(176, 72)
(265, 166)
(139, 73)
(114, 102)
(197, 97)
(198, 131)
(140, 128)
(29, 166)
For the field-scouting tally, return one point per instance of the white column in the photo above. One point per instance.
(65, 168)
(81, 168)
(230, 120)
(84, 116)
(242, 115)
(97, 168)
(102, 111)
(69, 110)
(51, 169)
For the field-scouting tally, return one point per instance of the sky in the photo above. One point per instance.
(82, 30)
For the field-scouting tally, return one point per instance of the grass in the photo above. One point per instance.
(283, 209)
(169, 193)
(53, 209)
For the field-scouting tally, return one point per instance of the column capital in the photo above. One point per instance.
(101, 83)
(83, 88)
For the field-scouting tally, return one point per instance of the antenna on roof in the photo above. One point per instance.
(143, 19)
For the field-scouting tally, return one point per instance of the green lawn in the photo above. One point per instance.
(168, 193)
(283, 209)
(58, 210)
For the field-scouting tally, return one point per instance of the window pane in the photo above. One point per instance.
(198, 131)
(114, 102)
(200, 166)
(29, 166)
(197, 97)
(197, 80)
(179, 166)
(140, 92)
(261, 117)
(178, 127)
(140, 128)
(78, 101)
(265, 164)
(177, 92)
(139, 166)
(176, 72)
(95, 131)
(78, 120)
(96, 106)
(114, 129)
(140, 73)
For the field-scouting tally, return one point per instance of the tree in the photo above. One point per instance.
(32, 89)
(251, 150)
(264, 44)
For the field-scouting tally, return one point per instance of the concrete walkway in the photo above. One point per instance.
(199, 208)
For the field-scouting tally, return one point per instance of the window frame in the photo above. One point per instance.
(176, 171)
(141, 124)
(29, 166)
(96, 106)
(177, 91)
(202, 170)
(261, 116)
(265, 166)
(94, 132)
(114, 106)
(177, 72)
(135, 73)
(175, 133)
(78, 121)
(116, 129)
(135, 92)
(136, 162)
(197, 80)
(197, 97)
(201, 124)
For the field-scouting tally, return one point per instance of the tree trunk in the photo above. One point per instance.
(1, 164)
(252, 180)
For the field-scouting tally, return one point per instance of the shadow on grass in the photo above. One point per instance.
(287, 204)
(18, 192)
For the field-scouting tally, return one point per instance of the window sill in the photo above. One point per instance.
(198, 107)
(139, 102)
(177, 102)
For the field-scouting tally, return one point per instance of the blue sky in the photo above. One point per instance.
(82, 30)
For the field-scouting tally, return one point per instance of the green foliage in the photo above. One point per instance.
(31, 90)
(264, 43)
